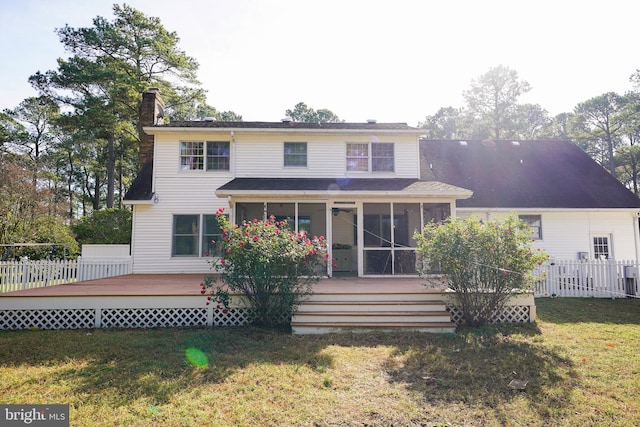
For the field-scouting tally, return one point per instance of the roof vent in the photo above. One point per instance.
(286, 120)
(209, 119)
(463, 143)
(372, 121)
(515, 143)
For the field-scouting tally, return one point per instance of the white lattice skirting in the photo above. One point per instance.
(121, 318)
(510, 314)
(167, 311)
(520, 309)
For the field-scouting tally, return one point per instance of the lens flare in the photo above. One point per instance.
(196, 357)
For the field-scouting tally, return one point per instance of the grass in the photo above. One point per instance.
(581, 360)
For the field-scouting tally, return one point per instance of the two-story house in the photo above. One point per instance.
(357, 184)
(367, 187)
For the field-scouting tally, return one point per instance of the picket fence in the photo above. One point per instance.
(560, 278)
(29, 274)
(593, 278)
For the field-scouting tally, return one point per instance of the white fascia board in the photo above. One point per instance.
(328, 193)
(150, 130)
(138, 202)
(490, 209)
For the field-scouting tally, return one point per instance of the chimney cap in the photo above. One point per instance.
(153, 89)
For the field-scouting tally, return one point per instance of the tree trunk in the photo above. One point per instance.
(111, 166)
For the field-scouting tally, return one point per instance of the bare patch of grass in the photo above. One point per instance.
(580, 361)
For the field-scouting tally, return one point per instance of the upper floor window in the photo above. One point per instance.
(374, 157)
(192, 155)
(382, 158)
(535, 224)
(295, 154)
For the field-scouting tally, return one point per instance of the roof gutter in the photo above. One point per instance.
(154, 130)
(316, 193)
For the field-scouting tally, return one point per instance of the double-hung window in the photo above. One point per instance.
(218, 155)
(370, 157)
(191, 155)
(535, 224)
(382, 157)
(194, 157)
(295, 154)
(186, 235)
(601, 248)
(195, 235)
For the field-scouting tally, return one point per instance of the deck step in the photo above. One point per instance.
(366, 317)
(338, 327)
(361, 312)
(372, 306)
(373, 297)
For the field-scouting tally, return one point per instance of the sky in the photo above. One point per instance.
(392, 61)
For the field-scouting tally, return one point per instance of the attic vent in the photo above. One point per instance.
(463, 143)
(372, 121)
(286, 120)
(515, 143)
(209, 119)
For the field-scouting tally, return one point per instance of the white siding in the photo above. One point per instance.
(252, 155)
(262, 155)
(566, 233)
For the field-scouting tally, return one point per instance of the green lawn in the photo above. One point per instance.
(581, 361)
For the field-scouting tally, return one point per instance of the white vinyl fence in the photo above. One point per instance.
(29, 274)
(595, 278)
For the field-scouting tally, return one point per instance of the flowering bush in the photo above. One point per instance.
(483, 263)
(268, 263)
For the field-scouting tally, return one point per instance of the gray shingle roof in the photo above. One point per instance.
(288, 125)
(405, 185)
(530, 174)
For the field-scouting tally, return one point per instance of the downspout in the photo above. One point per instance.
(635, 217)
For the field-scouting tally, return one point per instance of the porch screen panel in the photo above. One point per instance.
(249, 211)
(312, 217)
(377, 225)
(436, 212)
(404, 261)
(406, 221)
(378, 257)
(283, 212)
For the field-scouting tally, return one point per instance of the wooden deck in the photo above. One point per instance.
(189, 285)
(175, 300)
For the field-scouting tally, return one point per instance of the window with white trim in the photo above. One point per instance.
(535, 224)
(601, 247)
(382, 157)
(218, 155)
(192, 155)
(371, 157)
(186, 234)
(295, 154)
(195, 235)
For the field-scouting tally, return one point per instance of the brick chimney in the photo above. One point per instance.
(151, 113)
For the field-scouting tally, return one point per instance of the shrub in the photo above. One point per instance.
(108, 227)
(268, 263)
(483, 263)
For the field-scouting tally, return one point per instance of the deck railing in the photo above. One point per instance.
(29, 274)
(594, 278)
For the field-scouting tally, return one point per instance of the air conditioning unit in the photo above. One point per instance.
(630, 272)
